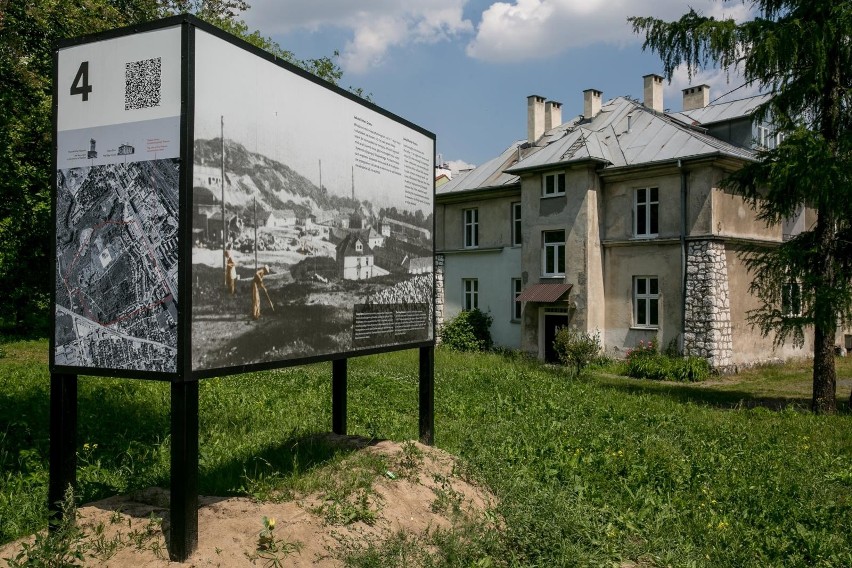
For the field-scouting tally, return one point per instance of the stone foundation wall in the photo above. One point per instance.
(707, 325)
(439, 296)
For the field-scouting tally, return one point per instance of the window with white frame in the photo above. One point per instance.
(791, 299)
(768, 137)
(646, 212)
(553, 253)
(646, 301)
(552, 184)
(517, 286)
(471, 228)
(763, 136)
(516, 224)
(471, 293)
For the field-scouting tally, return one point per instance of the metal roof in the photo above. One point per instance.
(543, 293)
(624, 133)
(723, 111)
(489, 174)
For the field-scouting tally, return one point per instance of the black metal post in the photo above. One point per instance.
(427, 395)
(184, 475)
(338, 396)
(63, 440)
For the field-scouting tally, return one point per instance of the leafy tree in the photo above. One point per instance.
(28, 32)
(801, 52)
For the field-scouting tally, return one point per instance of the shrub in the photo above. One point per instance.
(576, 349)
(646, 362)
(468, 331)
(690, 369)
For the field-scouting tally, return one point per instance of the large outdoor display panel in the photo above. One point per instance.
(327, 206)
(118, 106)
(218, 210)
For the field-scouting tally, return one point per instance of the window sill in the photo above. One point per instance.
(469, 250)
(645, 237)
(645, 327)
(552, 195)
(552, 277)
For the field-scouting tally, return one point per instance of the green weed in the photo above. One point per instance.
(447, 500)
(272, 550)
(101, 547)
(59, 547)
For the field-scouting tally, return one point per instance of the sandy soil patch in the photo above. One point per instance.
(416, 495)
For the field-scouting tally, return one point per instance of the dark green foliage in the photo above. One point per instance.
(28, 32)
(468, 331)
(799, 51)
(576, 349)
(646, 362)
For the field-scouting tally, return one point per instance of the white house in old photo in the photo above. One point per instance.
(355, 259)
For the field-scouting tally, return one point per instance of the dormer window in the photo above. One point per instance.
(763, 136)
(358, 246)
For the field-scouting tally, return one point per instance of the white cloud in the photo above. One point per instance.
(377, 26)
(457, 166)
(534, 29)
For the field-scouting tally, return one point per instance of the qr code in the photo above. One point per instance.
(142, 84)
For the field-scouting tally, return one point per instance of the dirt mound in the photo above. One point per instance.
(378, 491)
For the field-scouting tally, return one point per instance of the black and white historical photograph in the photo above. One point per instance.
(311, 218)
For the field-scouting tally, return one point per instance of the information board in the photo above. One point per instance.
(218, 210)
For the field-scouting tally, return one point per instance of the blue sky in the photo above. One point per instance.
(463, 68)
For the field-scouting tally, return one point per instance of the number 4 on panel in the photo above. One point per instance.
(81, 85)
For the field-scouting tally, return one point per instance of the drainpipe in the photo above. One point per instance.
(683, 194)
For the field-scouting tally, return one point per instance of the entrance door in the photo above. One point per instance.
(552, 322)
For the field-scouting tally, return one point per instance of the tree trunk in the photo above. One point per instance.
(825, 376)
(825, 315)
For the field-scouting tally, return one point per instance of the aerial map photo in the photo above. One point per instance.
(116, 266)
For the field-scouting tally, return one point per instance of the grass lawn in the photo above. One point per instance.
(596, 471)
(772, 386)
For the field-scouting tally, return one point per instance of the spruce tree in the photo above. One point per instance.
(800, 51)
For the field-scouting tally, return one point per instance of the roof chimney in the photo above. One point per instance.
(552, 115)
(591, 103)
(696, 97)
(653, 92)
(535, 118)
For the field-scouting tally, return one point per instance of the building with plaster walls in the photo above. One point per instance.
(614, 222)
